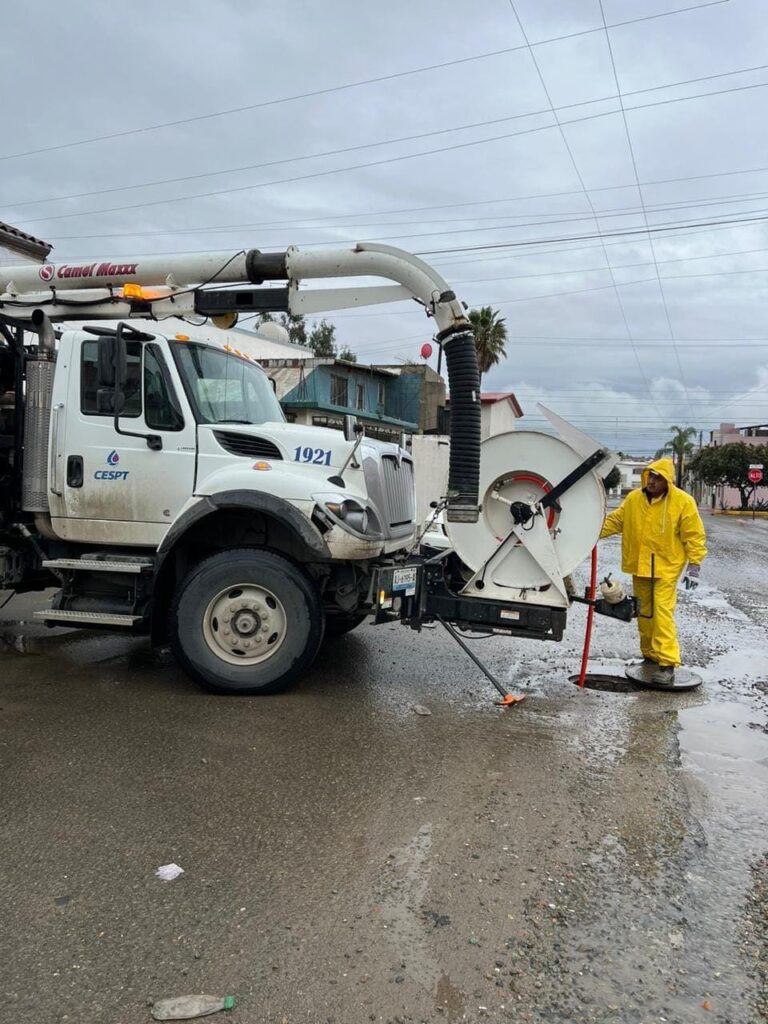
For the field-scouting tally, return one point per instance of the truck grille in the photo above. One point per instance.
(398, 490)
(247, 446)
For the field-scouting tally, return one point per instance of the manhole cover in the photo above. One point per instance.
(684, 679)
(607, 683)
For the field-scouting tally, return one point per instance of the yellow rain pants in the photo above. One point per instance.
(658, 635)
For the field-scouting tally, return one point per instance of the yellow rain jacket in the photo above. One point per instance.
(669, 528)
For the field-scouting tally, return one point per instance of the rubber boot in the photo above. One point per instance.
(663, 676)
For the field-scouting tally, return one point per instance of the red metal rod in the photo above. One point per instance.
(590, 617)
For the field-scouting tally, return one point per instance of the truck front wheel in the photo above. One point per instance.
(246, 621)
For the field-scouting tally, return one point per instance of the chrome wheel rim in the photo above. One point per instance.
(245, 624)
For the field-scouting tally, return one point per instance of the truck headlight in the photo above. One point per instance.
(350, 513)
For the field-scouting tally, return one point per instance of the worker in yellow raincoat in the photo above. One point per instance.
(661, 530)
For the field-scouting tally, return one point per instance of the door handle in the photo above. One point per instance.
(75, 471)
(53, 464)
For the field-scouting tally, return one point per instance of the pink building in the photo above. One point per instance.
(729, 433)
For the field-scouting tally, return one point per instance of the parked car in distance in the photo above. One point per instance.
(435, 537)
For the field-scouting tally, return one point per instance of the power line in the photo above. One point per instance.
(668, 226)
(642, 202)
(394, 159)
(563, 217)
(343, 87)
(682, 226)
(383, 142)
(587, 248)
(578, 291)
(624, 266)
(587, 196)
(201, 229)
(549, 341)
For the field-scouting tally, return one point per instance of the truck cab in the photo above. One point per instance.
(198, 421)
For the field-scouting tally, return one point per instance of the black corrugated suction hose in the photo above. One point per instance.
(464, 466)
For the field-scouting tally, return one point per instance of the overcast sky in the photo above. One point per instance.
(623, 352)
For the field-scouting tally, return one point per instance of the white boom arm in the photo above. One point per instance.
(215, 285)
(162, 286)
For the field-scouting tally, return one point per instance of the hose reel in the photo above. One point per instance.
(542, 508)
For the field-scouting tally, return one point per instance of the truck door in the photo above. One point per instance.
(114, 488)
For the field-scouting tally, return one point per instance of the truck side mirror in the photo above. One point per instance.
(105, 366)
(352, 428)
(112, 362)
(154, 441)
(120, 362)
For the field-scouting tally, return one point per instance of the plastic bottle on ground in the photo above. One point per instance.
(188, 1007)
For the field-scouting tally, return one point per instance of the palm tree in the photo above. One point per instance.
(680, 446)
(490, 337)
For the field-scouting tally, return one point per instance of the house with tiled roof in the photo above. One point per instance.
(16, 246)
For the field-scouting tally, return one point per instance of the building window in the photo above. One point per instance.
(360, 403)
(382, 393)
(339, 393)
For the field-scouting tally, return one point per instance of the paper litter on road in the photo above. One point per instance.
(167, 872)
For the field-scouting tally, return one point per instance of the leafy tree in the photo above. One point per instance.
(348, 354)
(613, 479)
(728, 465)
(296, 327)
(680, 447)
(322, 339)
(490, 337)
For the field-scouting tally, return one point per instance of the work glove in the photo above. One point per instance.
(691, 580)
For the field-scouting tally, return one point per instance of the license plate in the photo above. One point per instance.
(404, 581)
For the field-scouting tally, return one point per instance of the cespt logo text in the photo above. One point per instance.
(111, 474)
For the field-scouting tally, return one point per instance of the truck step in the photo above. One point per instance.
(96, 565)
(67, 618)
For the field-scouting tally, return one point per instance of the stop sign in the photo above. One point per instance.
(755, 474)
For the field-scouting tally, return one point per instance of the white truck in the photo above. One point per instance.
(155, 482)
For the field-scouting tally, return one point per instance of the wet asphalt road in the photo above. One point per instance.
(583, 857)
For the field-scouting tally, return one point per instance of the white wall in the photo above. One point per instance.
(631, 470)
(430, 459)
(496, 418)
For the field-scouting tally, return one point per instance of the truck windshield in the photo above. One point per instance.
(225, 388)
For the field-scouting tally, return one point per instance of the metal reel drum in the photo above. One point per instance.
(523, 466)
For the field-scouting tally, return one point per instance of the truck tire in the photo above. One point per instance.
(246, 621)
(338, 625)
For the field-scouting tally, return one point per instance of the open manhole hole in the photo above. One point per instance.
(607, 683)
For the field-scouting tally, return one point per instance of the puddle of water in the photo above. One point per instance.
(719, 744)
(726, 760)
(748, 665)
